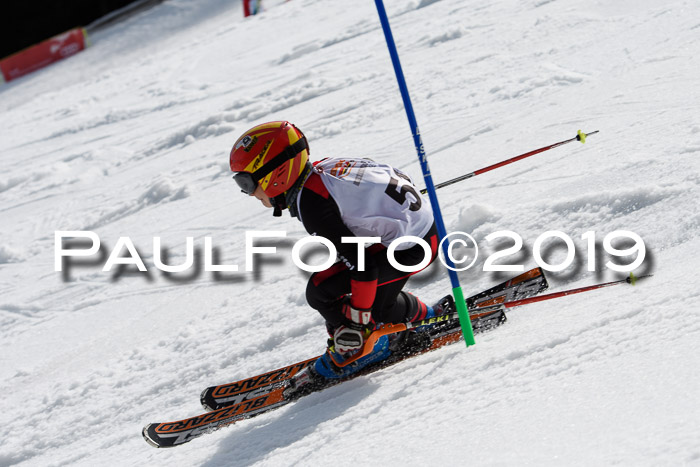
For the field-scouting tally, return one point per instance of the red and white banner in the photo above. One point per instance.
(43, 54)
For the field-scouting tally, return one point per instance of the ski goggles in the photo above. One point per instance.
(248, 182)
(245, 182)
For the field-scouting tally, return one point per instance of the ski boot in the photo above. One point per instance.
(326, 365)
(303, 383)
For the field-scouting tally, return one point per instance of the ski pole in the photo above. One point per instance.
(579, 137)
(465, 323)
(632, 279)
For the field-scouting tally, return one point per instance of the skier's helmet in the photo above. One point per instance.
(273, 154)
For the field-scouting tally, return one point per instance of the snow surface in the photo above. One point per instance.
(131, 138)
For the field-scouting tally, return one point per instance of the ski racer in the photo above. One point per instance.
(343, 198)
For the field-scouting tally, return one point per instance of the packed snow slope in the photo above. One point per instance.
(131, 138)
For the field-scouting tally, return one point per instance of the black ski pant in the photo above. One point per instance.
(326, 289)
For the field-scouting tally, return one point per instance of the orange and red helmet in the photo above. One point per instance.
(272, 154)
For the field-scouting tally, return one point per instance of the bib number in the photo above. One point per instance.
(398, 193)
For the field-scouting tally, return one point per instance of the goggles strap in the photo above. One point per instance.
(288, 153)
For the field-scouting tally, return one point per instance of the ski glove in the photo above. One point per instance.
(357, 316)
(348, 338)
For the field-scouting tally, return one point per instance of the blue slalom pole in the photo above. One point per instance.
(464, 320)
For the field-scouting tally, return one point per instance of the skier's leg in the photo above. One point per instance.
(326, 289)
(325, 292)
(406, 307)
(391, 304)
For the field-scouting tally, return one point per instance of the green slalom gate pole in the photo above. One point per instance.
(464, 320)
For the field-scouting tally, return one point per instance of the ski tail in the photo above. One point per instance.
(486, 309)
(525, 285)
